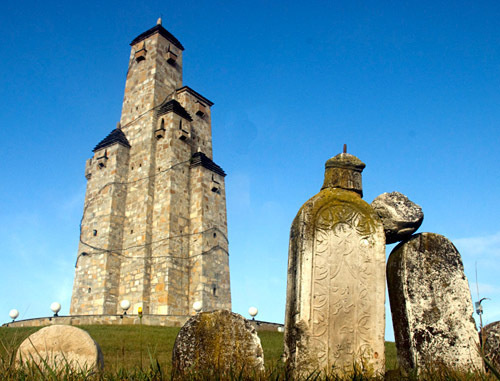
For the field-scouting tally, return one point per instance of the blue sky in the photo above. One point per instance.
(411, 87)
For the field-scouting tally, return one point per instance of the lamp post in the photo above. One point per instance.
(197, 306)
(55, 307)
(253, 311)
(13, 314)
(125, 305)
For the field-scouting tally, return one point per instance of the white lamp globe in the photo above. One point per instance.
(125, 305)
(253, 311)
(197, 306)
(281, 329)
(55, 307)
(14, 314)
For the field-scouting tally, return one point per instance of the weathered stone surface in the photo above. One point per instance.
(431, 305)
(336, 278)
(491, 343)
(218, 341)
(400, 216)
(61, 345)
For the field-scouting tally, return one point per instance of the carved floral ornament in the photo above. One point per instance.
(342, 266)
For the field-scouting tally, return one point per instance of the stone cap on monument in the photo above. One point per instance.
(344, 171)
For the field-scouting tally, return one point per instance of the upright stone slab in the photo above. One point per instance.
(336, 278)
(61, 345)
(215, 343)
(491, 343)
(431, 305)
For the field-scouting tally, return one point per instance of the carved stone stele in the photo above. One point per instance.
(335, 313)
(431, 305)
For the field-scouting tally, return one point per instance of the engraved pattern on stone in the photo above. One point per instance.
(343, 239)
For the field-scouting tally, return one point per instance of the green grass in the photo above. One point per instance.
(122, 347)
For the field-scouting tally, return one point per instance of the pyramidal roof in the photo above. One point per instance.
(162, 31)
(115, 136)
(173, 106)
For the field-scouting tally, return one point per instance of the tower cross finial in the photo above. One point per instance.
(158, 22)
(345, 148)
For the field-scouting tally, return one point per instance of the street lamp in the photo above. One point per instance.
(197, 306)
(125, 305)
(13, 314)
(55, 307)
(253, 311)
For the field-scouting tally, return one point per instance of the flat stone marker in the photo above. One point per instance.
(61, 345)
(491, 343)
(431, 305)
(218, 341)
(400, 216)
(336, 279)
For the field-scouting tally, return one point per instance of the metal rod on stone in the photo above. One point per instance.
(345, 148)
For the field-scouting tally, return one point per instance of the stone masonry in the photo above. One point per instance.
(154, 227)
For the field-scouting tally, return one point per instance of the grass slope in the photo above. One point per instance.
(122, 346)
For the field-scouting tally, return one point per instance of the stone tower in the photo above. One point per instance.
(154, 227)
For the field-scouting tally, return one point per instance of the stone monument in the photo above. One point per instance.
(491, 343)
(431, 305)
(335, 313)
(216, 343)
(400, 216)
(58, 346)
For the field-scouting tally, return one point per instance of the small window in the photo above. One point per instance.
(94, 232)
(90, 290)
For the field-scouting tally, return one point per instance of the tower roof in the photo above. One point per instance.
(115, 136)
(162, 31)
(174, 106)
(199, 158)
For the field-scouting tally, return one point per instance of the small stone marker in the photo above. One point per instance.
(491, 343)
(400, 216)
(335, 313)
(431, 305)
(61, 345)
(218, 341)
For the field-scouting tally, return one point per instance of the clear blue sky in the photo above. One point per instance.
(411, 87)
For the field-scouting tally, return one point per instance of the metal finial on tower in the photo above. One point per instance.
(158, 22)
(345, 148)
(118, 126)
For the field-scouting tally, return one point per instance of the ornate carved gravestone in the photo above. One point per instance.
(215, 343)
(336, 278)
(58, 346)
(431, 305)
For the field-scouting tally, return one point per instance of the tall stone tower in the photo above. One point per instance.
(154, 227)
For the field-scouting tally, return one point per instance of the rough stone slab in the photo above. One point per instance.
(431, 305)
(400, 216)
(61, 345)
(219, 341)
(491, 343)
(335, 312)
